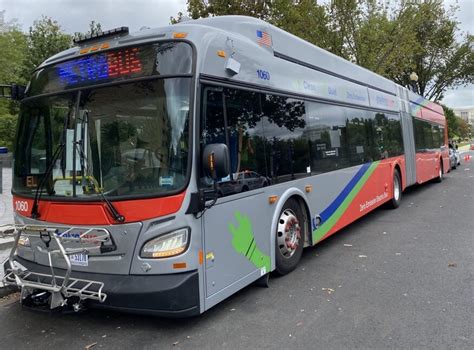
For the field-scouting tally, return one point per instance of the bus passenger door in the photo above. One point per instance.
(409, 146)
(236, 227)
(236, 244)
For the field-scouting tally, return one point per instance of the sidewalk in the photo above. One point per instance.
(6, 217)
(6, 208)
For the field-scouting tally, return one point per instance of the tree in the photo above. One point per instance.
(303, 18)
(13, 49)
(440, 61)
(452, 122)
(391, 40)
(253, 8)
(463, 128)
(94, 28)
(45, 39)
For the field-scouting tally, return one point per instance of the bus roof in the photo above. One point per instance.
(299, 66)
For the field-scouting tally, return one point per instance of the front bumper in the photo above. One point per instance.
(173, 295)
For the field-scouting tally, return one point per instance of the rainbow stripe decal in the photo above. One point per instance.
(331, 215)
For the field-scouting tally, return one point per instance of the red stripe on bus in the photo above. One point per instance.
(96, 213)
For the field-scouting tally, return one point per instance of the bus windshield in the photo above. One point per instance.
(127, 139)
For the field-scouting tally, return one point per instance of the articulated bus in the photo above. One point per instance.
(162, 171)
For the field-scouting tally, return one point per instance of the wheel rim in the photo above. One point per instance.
(396, 188)
(289, 233)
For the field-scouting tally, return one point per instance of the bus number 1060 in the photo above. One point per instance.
(263, 74)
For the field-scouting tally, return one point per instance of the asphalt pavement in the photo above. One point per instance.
(395, 279)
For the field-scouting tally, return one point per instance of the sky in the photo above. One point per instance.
(75, 16)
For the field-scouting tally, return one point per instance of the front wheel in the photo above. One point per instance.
(397, 191)
(289, 237)
(440, 173)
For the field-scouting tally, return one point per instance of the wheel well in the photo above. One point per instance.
(308, 237)
(397, 168)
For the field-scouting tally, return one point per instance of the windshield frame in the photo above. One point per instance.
(191, 147)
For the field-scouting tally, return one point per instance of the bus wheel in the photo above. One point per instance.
(397, 191)
(440, 173)
(289, 237)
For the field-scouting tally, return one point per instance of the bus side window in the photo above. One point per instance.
(287, 149)
(239, 111)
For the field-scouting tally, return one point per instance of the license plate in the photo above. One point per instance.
(79, 259)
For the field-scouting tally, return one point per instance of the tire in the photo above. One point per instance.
(440, 173)
(397, 191)
(289, 238)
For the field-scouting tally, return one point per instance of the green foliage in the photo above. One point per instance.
(205, 8)
(392, 41)
(13, 50)
(45, 39)
(440, 60)
(7, 130)
(463, 128)
(457, 127)
(94, 28)
(452, 121)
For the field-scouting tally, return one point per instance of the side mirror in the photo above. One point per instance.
(18, 92)
(215, 159)
(13, 91)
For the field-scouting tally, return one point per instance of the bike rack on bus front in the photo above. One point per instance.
(73, 240)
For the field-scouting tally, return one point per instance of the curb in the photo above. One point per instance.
(7, 290)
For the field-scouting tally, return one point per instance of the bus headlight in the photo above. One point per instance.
(167, 245)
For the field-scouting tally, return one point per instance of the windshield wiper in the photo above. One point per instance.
(34, 210)
(85, 169)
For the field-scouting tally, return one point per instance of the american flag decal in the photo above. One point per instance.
(263, 38)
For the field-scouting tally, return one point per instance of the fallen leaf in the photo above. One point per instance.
(299, 324)
(328, 290)
(90, 346)
(452, 264)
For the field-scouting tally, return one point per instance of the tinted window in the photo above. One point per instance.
(233, 117)
(273, 139)
(287, 150)
(427, 135)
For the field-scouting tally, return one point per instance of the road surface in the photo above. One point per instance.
(395, 279)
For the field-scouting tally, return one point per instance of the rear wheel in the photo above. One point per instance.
(289, 237)
(397, 191)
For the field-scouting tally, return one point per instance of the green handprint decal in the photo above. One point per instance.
(244, 242)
